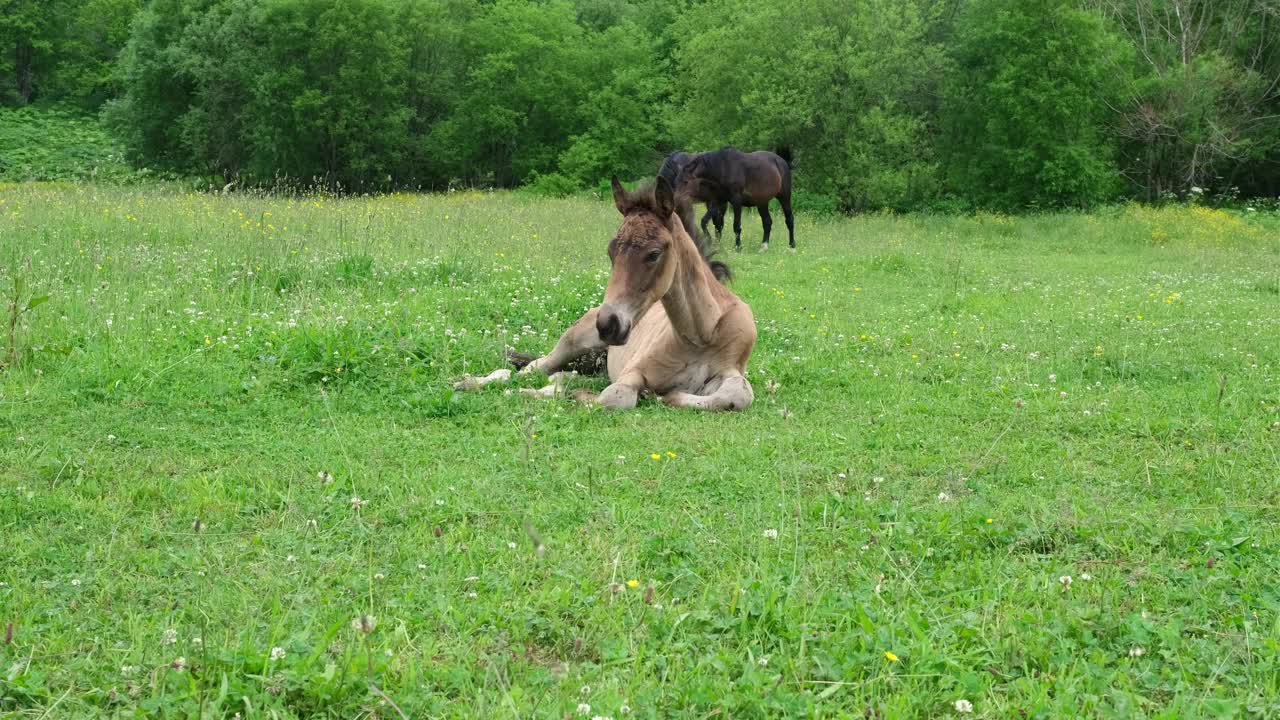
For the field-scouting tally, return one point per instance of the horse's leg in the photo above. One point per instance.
(733, 394)
(708, 215)
(578, 340)
(767, 221)
(718, 219)
(737, 225)
(785, 201)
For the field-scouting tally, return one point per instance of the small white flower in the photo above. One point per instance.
(170, 636)
(1136, 652)
(311, 523)
(324, 477)
(840, 475)
(75, 582)
(584, 709)
(763, 661)
(964, 706)
(771, 533)
(472, 595)
(511, 545)
(943, 497)
(584, 690)
(277, 653)
(1065, 580)
(440, 501)
(422, 566)
(179, 664)
(357, 503)
(291, 558)
(111, 438)
(197, 641)
(1053, 378)
(624, 710)
(379, 576)
(127, 669)
(877, 479)
(1086, 576)
(365, 623)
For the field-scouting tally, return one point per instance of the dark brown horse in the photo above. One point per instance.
(730, 176)
(672, 166)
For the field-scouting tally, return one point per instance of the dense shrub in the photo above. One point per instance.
(899, 104)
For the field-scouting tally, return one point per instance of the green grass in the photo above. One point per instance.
(966, 410)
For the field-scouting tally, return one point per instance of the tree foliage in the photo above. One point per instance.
(900, 104)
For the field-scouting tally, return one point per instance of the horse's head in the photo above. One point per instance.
(699, 178)
(644, 264)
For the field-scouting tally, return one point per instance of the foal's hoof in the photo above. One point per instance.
(470, 382)
(764, 247)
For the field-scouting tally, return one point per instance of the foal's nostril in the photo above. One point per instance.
(607, 326)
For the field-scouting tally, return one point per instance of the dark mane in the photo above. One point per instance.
(672, 165)
(642, 199)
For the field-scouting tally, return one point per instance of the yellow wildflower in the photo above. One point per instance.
(655, 456)
(633, 584)
(888, 655)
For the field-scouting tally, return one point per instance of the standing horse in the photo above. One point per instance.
(731, 176)
(672, 166)
(671, 327)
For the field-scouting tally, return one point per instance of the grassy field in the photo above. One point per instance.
(1021, 467)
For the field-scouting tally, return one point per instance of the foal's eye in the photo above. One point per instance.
(653, 257)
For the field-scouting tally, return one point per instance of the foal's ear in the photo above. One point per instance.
(664, 198)
(620, 196)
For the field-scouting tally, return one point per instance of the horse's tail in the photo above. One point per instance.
(684, 208)
(784, 152)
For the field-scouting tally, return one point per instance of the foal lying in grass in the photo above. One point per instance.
(671, 327)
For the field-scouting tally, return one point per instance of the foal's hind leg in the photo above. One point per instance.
(767, 221)
(579, 339)
(733, 394)
(785, 201)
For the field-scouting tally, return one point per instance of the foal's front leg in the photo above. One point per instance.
(733, 394)
(579, 339)
(621, 395)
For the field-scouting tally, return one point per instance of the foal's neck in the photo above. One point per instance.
(691, 302)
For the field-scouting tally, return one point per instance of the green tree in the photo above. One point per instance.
(1200, 105)
(1025, 108)
(529, 69)
(849, 86)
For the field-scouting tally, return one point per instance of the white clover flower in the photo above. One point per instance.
(277, 653)
(964, 706)
(771, 534)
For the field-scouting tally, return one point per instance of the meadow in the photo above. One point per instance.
(997, 467)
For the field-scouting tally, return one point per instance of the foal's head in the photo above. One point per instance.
(643, 258)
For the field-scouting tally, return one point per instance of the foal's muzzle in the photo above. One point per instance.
(613, 327)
